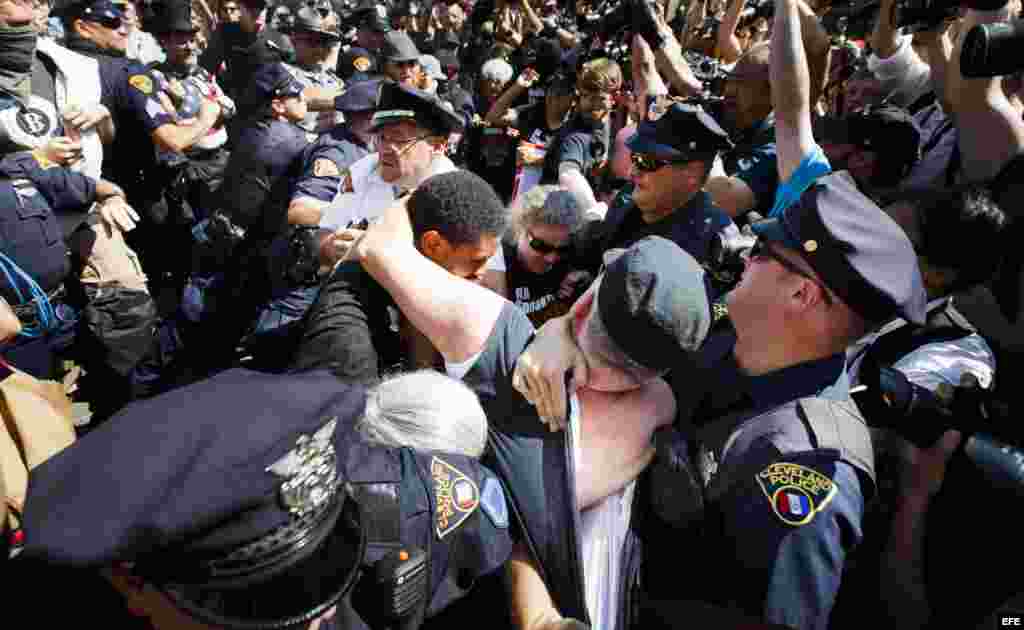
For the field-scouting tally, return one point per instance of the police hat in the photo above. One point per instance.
(653, 302)
(310, 20)
(397, 103)
(270, 81)
(171, 16)
(360, 97)
(88, 9)
(678, 132)
(858, 251)
(240, 526)
(373, 15)
(399, 48)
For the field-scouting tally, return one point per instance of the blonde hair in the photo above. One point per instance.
(600, 75)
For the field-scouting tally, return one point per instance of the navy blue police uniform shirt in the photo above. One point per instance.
(42, 206)
(755, 162)
(778, 554)
(325, 163)
(258, 179)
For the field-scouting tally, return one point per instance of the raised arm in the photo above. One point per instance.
(791, 89)
(991, 132)
(728, 44)
(455, 315)
(668, 54)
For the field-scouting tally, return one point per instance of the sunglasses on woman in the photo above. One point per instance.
(542, 247)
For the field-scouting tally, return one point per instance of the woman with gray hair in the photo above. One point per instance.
(533, 266)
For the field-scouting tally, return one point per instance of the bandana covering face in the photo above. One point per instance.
(17, 47)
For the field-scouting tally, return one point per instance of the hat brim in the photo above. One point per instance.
(775, 231)
(295, 595)
(174, 27)
(638, 143)
(334, 37)
(403, 59)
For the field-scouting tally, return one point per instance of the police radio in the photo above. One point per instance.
(392, 595)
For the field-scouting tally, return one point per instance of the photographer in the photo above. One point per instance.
(751, 176)
(891, 567)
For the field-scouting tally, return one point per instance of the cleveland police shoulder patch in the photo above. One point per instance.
(796, 493)
(455, 495)
(141, 83)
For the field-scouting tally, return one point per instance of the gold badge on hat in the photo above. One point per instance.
(810, 246)
(362, 64)
(310, 471)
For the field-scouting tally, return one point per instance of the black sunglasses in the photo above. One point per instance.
(542, 247)
(649, 164)
(113, 23)
(761, 250)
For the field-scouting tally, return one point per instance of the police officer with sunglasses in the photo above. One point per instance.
(673, 150)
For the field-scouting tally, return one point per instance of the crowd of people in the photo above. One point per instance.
(543, 315)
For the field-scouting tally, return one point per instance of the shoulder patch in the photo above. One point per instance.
(141, 83)
(796, 493)
(322, 167)
(492, 502)
(455, 494)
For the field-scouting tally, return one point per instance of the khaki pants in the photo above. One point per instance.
(106, 256)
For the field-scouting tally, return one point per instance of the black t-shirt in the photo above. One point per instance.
(580, 142)
(534, 294)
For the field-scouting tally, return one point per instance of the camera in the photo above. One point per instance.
(707, 70)
(889, 400)
(992, 50)
(916, 15)
(727, 251)
(853, 20)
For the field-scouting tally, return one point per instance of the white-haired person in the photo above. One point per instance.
(533, 267)
(489, 149)
(270, 524)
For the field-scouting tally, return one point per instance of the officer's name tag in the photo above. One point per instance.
(796, 493)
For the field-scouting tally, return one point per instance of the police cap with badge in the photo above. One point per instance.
(309, 19)
(859, 252)
(104, 12)
(360, 97)
(677, 132)
(398, 103)
(268, 521)
(171, 16)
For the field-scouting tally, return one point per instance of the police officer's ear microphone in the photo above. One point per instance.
(394, 591)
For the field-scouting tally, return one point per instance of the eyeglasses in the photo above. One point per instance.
(543, 247)
(400, 145)
(762, 250)
(648, 164)
(113, 23)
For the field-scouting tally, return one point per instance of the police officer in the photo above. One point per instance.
(314, 33)
(672, 152)
(333, 153)
(255, 195)
(242, 47)
(373, 24)
(335, 507)
(47, 207)
(412, 129)
(401, 59)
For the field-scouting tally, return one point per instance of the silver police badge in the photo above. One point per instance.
(310, 471)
